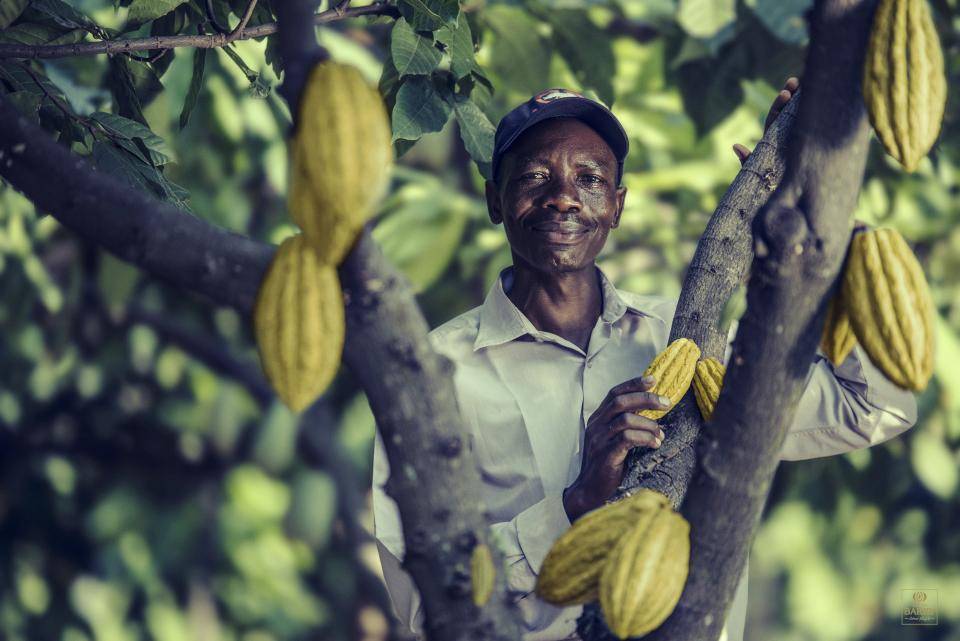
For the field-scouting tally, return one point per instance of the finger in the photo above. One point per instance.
(792, 84)
(742, 152)
(636, 401)
(626, 441)
(782, 98)
(623, 402)
(639, 384)
(631, 421)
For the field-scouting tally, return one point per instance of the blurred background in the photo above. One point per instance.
(152, 487)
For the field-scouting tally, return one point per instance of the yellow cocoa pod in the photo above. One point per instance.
(672, 370)
(298, 320)
(707, 382)
(838, 339)
(482, 574)
(644, 574)
(571, 570)
(904, 85)
(890, 307)
(340, 158)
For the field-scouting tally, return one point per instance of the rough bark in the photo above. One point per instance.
(720, 264)
(800, 237)
(434, 478)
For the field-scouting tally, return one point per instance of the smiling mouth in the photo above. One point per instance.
(560, 233)
(565, 228)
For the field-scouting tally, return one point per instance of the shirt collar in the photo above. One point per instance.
(501, 321)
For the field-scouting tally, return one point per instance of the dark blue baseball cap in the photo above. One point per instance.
(560, 103)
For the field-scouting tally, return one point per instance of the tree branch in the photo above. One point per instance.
(205, 41)
(814, 170)
(720, 264)
(434, 478)
(800, 238)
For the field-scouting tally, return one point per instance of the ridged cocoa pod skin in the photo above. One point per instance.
(672, 370)
(341, 156)
(644, 574)
(483, 574)
(890, 307)
(838, 338)
(299, 323)
(570, 572)
(904, 84)
(707, 383)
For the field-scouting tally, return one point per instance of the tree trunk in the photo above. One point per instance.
(800, 238)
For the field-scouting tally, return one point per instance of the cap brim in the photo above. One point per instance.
(601, 120)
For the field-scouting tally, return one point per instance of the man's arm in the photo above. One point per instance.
(845, 408)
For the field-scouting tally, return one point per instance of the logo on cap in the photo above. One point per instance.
(550, 95)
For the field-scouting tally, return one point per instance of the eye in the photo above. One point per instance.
(533, 175)
(593, 179)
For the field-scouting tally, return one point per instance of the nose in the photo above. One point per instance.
(561, 195)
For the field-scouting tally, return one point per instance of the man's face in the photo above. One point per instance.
(557, 196)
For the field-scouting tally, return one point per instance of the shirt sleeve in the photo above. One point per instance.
(845, 408)
(524, 540)
(389, 535)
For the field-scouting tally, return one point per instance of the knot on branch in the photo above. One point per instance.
(781, 237)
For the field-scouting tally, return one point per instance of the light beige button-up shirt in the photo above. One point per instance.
(525, 397)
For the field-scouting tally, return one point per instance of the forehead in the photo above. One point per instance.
(569, 133)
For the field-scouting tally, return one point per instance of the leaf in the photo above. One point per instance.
(129, 167)
(314, 508)
(141, 11)
(26, 102)
(703, 18)
(476, 130)
(64, 15)
(126, 100)
(159, 152)
(934, 464)
(10, 10)
(711, 87)
(271, 54)
(947, 363)
(520, 56)
(419, 109)
(459, 44)
(196, 83)
(38, 34)
(118, 164)
(389, 83)
(586, 48)
(18, 77)
(412, 53)
(784, 18)
(429, 15)
(421, 235)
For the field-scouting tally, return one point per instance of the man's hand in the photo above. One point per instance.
(612, 431)
(789, 87)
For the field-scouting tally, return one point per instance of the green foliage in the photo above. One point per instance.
(148, 487)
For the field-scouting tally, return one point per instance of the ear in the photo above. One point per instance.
(492, 192)
(621, 197)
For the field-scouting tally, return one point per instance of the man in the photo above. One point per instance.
(547, 368)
